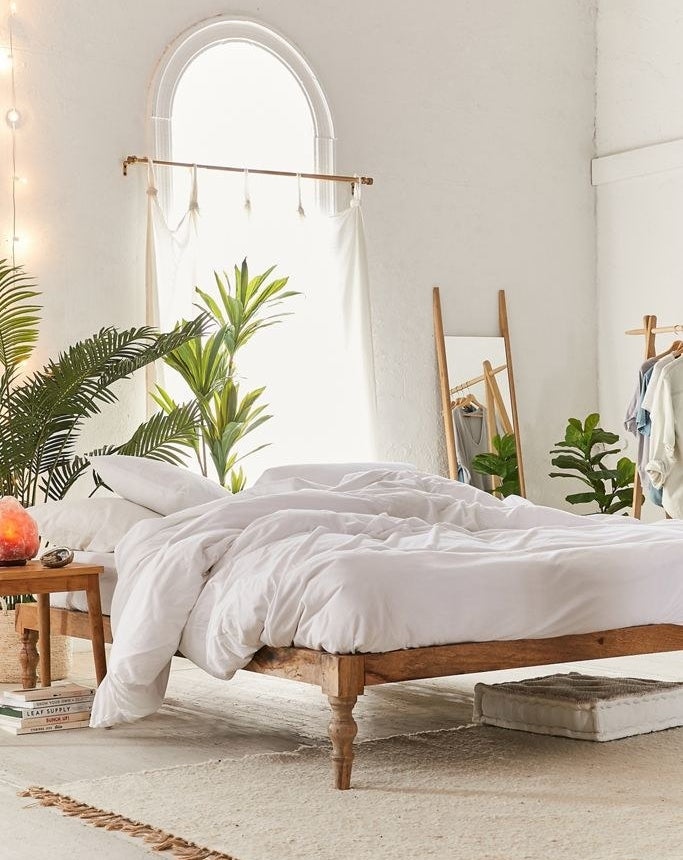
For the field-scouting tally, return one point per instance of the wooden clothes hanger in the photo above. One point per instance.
(467, 400)
(676, 349)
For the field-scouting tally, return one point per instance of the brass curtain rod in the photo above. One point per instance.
(331, 177)
(476, 379)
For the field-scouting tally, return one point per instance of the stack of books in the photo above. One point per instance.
(46, 709)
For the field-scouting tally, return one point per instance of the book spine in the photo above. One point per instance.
(28, 722)
(49, 711)
(48, 703)
(82, 724)
(48, 693)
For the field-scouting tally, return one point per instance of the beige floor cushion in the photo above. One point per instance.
(581, 706)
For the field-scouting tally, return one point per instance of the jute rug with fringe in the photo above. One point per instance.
(483, 793)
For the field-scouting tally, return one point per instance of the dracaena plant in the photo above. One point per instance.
(238, 310)
(42, 413)
(582, 455)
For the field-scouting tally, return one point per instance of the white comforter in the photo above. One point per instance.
(383, 560)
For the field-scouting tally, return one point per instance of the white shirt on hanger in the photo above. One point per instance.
(649, 397)
(665, 466)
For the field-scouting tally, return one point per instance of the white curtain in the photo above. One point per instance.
(172, 258)
(317, 364)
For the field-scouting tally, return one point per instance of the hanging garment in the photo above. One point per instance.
(653, 375)
(644, 422)
(665, 467)
(637, 422)
(469, 424)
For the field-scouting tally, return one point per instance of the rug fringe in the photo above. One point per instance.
(159, 840)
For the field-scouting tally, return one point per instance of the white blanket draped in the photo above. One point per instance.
(382, 561)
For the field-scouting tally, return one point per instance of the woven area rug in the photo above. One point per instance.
(484, 793)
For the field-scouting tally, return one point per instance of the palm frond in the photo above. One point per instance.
(165, 436)
(19, 317)
(63, 477)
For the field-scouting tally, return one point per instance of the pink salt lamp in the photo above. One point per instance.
(19, 539)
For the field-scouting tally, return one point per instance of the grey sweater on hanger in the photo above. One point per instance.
(471, 439)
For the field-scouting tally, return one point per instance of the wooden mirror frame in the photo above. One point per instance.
(445, 387)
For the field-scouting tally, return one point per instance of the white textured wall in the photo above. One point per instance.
(476, 119)
(640, 221)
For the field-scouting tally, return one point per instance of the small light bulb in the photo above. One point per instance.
(5, 61)
(20, 180)
(13, 8)
(13, 117)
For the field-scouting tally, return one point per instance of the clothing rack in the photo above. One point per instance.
(650, 330)
(469, 382)
(130, 160)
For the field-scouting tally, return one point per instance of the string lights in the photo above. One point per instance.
(13, 120)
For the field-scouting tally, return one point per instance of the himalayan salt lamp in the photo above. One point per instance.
(19, 538)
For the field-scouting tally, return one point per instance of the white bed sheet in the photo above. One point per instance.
(385, 560)
(77, 599)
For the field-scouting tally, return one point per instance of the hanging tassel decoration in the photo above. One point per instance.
(300, 210)
(247, 198)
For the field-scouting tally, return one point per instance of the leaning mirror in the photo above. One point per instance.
(479, 407)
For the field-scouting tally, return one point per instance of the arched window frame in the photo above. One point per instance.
(220, 29)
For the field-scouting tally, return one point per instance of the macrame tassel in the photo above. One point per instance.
(247, 198)
(300, 210)
(159, 840)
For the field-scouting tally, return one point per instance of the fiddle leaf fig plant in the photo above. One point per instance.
(501, 463)
(582, 456)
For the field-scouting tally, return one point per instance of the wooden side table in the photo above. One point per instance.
(33, 578)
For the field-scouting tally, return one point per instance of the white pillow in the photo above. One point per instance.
(328, 474)
(161, 487)
(92, 525)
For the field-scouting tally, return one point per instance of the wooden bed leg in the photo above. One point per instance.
(343, 680)
(342, 731)
(28, 658)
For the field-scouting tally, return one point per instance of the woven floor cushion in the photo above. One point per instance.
(579, 706)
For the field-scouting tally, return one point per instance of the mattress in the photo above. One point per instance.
(77, 599)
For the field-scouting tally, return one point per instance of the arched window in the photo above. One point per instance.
(235, 93)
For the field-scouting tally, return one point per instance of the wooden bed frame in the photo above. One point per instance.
(344, 677)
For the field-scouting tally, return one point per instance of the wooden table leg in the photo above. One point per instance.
(96, 627)
(44, 640)
(28, 658)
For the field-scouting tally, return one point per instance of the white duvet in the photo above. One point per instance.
(383, 560)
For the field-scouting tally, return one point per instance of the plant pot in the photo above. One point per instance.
(10, 642)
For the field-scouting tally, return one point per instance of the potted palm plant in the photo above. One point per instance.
(43, 412)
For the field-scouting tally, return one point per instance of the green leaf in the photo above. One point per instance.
(591, 422)
(568, 461)
(580, 498)
(600, 436)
